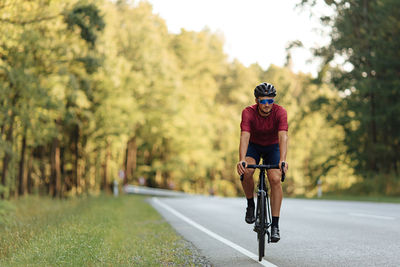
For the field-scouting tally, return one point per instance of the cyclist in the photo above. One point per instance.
(263, 134)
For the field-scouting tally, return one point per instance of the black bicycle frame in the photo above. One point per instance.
(262, 193)
(263, 209)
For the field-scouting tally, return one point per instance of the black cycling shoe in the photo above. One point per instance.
(275, 237)
(250, 215)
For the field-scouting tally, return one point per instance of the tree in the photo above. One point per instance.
(363, 34)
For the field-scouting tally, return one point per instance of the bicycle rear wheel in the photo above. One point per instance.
(261, 228)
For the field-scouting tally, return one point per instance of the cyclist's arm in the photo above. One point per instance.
(283, 141)
(244, 143)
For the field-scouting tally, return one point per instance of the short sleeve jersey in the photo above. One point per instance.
(264, 130)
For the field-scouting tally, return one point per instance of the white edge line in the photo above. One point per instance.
(372, 216)
(214, 235)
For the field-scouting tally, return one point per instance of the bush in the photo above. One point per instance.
(377, 185)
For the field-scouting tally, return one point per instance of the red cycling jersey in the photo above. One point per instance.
(264, 130)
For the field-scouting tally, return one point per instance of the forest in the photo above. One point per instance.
(90, 88)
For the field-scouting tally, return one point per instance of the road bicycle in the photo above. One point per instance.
(263, 209)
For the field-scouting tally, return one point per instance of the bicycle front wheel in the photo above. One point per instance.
(261, 229)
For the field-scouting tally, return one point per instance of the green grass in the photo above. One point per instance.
(94, 231)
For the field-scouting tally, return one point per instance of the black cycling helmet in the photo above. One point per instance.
(264, 89)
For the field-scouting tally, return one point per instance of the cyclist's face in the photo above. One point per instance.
(265, 103)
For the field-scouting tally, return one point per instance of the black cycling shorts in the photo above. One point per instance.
(270, 154)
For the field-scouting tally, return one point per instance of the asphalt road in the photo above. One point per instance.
(313, 232)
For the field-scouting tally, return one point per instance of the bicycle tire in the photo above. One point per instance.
(261, 229)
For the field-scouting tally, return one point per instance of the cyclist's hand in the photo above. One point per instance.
(286, 166)
(240, 168)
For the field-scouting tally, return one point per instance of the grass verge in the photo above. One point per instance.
(94, 231)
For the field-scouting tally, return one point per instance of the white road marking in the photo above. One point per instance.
(354, 214)
(214, 235)
(372, 216)
(318, 210)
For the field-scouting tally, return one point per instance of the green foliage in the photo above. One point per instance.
(88, 19)
(96, 87)
(373, 83)
(363, 34)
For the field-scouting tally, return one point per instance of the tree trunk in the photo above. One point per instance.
(7, 156)
(372, 159)
(21, 174)
(105, 183)
(29, 175)
(55, 184)
(130, 159)
(76, 179)
(44, 185)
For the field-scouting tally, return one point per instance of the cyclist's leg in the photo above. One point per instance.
(248, 181)
(274, 178)
(252, 157)
(272, 156)
(248, 184)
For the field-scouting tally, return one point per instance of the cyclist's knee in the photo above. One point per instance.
(275, 180)
(248, 173)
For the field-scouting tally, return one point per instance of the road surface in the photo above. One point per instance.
(313, 232)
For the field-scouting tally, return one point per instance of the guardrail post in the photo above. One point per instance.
(319, 188)
(115, 188)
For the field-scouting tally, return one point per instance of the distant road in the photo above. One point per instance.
(144, 190)
(313, 232)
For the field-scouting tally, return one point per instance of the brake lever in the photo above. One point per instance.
(241, 176)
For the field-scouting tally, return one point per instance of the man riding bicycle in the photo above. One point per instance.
(263, 134)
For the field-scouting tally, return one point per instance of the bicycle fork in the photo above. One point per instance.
(267, 217)
(262, 193)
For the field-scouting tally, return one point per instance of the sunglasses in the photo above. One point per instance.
(265, 101)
